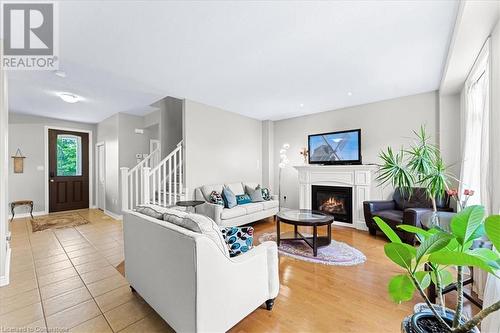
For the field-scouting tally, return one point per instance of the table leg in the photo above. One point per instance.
(12, 211)
(329, 234)
(295, 231)
(315, 241)
(277, 230)
(31, 210)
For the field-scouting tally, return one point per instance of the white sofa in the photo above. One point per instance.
(189, 282)
(236, 216)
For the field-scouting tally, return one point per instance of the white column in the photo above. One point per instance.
(125, 189)
(4, 175)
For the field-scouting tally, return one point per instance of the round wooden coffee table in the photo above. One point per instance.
(306, 218)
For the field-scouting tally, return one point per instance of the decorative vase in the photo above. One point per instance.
(423, 320)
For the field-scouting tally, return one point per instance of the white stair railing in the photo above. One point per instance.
(160, 184)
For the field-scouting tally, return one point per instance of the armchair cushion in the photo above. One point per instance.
(238, 239)
(391, 217)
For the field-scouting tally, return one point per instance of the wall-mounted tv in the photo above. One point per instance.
(343, 147)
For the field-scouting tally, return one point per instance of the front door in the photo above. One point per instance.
(68, 170)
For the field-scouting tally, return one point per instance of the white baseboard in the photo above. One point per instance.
(23, 215)
(5, 279)
(113, 215)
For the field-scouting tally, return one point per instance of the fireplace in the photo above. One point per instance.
(335, 200)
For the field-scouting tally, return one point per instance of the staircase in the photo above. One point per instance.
(157, 183)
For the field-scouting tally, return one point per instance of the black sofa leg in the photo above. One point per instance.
(132, 289)
(372, 231)
(269, 304)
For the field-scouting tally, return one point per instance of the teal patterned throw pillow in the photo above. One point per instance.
(265, 194)
(243, 199)
(216, 198)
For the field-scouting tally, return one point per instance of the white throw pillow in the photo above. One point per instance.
(236, 188)
(205, 225)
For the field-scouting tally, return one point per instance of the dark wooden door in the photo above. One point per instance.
(68, 170)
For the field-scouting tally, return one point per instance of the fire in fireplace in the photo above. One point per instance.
(335, 200)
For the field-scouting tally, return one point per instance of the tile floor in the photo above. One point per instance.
(65, 280)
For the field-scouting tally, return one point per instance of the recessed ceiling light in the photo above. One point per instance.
(301, 105)
(349, 93)
(60, 73)
(69, 98)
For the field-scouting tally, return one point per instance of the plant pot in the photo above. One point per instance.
(424, 321)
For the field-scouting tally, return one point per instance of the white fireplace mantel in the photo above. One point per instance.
(359, 177)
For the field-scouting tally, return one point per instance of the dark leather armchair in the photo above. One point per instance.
(402, 209)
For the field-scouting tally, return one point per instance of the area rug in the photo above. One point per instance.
(337, 253)
(57, 221)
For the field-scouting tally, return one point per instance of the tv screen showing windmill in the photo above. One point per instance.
(335, 148)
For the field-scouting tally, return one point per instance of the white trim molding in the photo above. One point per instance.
(113, 215)
(358, 177)
(46, 162)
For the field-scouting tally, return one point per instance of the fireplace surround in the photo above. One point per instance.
(359, 178)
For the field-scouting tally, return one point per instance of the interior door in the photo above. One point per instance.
(101, 177)
(68, 170)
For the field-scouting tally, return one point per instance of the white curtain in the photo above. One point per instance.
(476, 168)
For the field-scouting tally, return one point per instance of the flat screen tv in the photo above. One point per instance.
(343, 147)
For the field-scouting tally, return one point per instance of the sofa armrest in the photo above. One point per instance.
(412, 216)
(211, 210)
(274, 197)
(270, 250)
(374, 206)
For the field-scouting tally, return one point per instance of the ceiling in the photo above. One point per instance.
(266, 60)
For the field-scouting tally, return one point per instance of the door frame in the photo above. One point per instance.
(97, 145)
(152, 142)
(46, 167)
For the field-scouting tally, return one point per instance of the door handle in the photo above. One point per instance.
(52, 180)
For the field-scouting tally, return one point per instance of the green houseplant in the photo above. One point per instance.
(419, 165)
(438, 251)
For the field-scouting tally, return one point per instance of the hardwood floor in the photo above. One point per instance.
(65, 278)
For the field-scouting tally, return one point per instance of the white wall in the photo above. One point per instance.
(383, 124)
(268, 154)
(107, 132)
(27, 133)
(4, 184)
(220, 146)
(449, 132)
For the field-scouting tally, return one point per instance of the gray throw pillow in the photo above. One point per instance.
(149, 212)
(254, 193)
(229, 198)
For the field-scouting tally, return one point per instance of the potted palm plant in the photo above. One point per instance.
(422, 165)
(439, 250)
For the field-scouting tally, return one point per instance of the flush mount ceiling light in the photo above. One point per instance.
(301, 105)
(69, 98)
(349, 93)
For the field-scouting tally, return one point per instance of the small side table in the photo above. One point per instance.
(19, 203)
(189, 203)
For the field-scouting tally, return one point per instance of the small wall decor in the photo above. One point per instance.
(18, 161)
(304, 152)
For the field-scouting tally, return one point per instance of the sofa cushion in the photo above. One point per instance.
(270, 204)
(391, 217)
(229, 198)
(254, 193)
(175, 217)
(252, 185)
(230, 213)
(253, 207)
(236, 188)
(206, 190)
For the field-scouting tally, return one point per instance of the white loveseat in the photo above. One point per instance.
(189, 282)
(236, 216)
